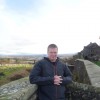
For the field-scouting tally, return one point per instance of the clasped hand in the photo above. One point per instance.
(57, 80)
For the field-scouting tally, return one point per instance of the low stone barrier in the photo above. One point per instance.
(79, 91)
(87, 72)
(18, 90)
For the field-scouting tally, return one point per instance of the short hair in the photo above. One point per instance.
(52, 46)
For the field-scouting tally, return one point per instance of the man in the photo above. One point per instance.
(51, 76)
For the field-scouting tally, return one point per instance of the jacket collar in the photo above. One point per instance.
(46, 58)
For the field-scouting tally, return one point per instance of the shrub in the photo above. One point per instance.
(18, 75)
(15, 77)
(28, 69)
(2, 74)
(70, 60)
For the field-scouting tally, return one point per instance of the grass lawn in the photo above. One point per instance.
(97, 63)
(11, 72)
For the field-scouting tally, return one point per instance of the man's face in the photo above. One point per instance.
(52, 54)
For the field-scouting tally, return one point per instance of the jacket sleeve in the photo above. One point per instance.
(67, 77)
(36, 78)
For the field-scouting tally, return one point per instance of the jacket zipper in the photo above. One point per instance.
(55, 73)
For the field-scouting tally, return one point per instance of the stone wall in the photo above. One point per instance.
(87, 72)
(23, 90)
(18, 90)
(80, 74)
(79, 91)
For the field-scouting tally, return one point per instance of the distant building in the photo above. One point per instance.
(91, 52)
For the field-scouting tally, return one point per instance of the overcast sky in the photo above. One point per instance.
(29, 26)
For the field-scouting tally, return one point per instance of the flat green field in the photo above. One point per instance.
(11, 72)
(97, 63)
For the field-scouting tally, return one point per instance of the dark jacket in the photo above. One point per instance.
(43, 73)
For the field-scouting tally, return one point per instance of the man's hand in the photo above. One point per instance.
(57, 80)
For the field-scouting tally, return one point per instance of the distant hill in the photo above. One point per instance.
(31, 55)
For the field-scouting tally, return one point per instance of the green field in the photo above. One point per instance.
(11, 72)
(97, 63)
